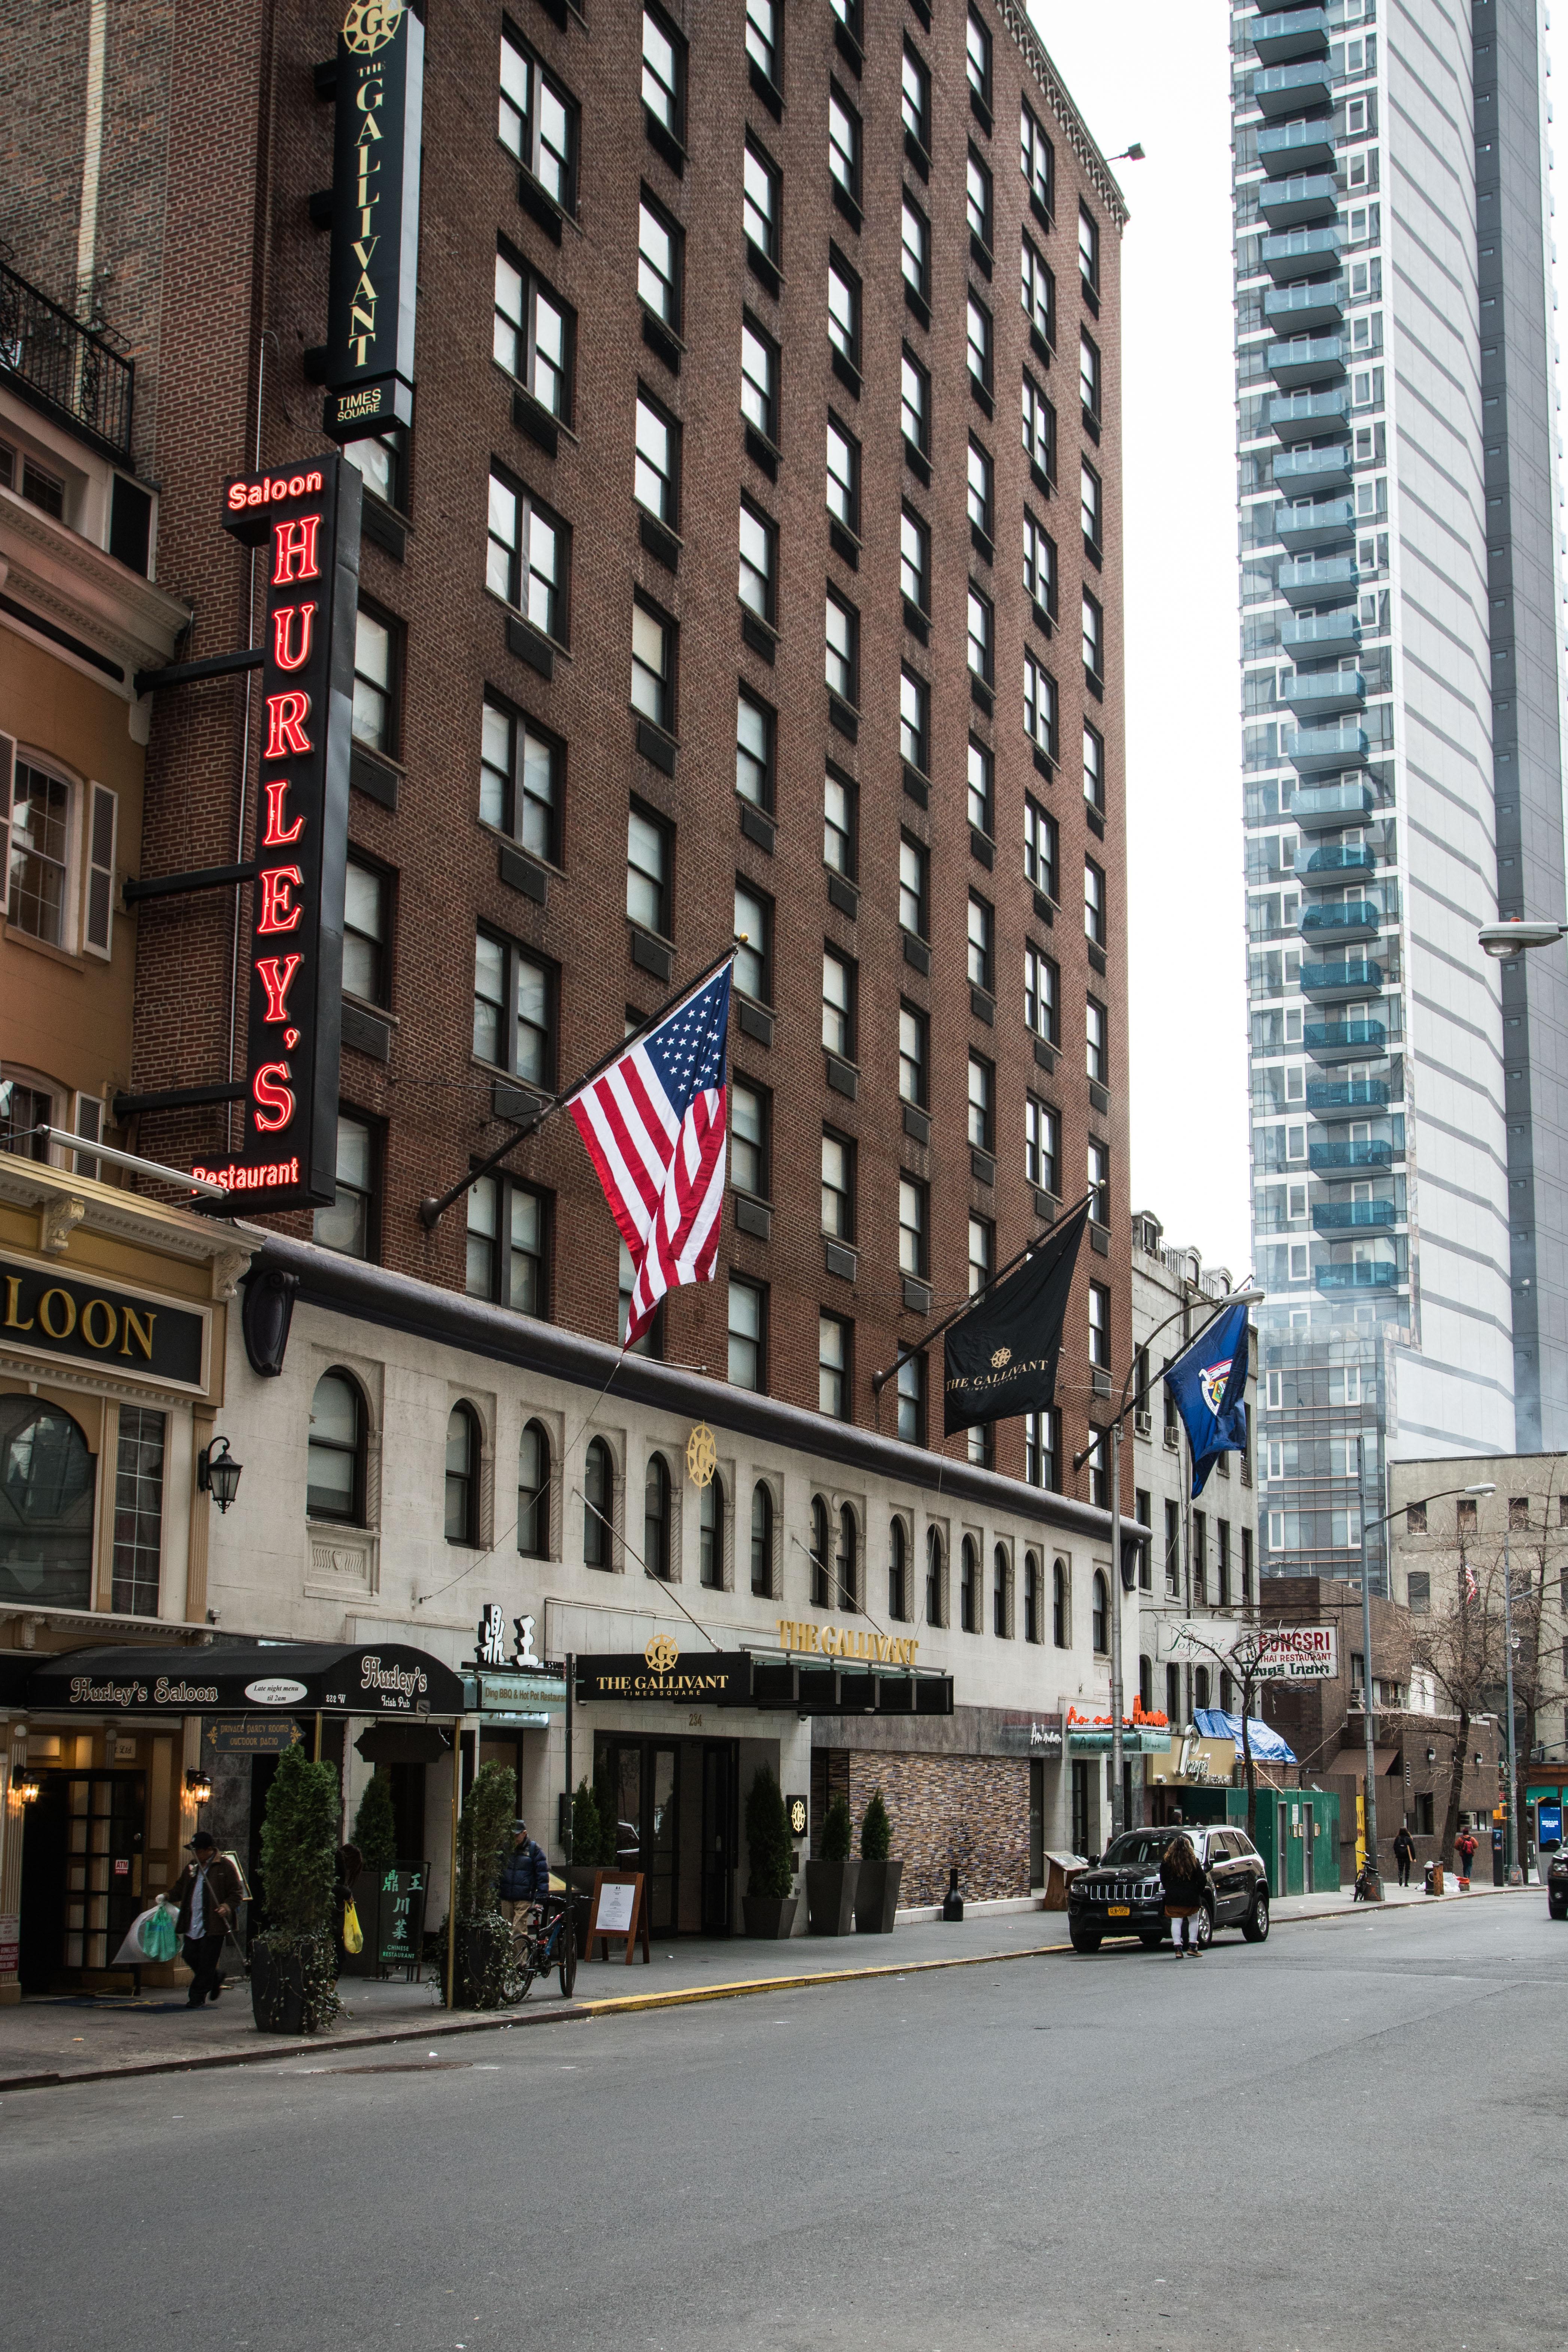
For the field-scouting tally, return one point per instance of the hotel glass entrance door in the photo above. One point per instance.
(672, 1814)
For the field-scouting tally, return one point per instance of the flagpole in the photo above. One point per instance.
(912, 1346)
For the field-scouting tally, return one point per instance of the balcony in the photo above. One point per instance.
(1339, 924)
(1280, 92)
(1320, 750)
(1319, 580)
(1364, 1276)
(1285, 147)
(1337, 1098)
(1320, 808)
(1353, 1217)
(1321, 636)
(1280, 39)
(1345, 1041)
(1338, 1159)
(1354, 977)
(1324, 693)
(1327, 865)
(64, 369)
(1307, 359)
(1311, 527)
(1304, 201)
(1312, 308)
(1313, 473)
(1296, 416)
(1301, 253)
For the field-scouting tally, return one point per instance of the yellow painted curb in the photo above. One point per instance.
(680, 1995)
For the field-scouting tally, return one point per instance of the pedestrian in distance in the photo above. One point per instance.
(1182, 1876)
(1404, 1852)
(207, 1894)
(525, 1875)
(1465, 1846)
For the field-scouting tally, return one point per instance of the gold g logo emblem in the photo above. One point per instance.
(1002, 1356)
(371, 24)
(702, 1455)
(661, 1653)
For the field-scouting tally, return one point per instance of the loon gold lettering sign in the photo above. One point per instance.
(45, 1312)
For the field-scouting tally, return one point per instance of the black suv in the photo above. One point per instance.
(1557, 1884)
(1122, 1894)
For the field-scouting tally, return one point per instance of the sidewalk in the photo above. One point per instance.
(54, 2041)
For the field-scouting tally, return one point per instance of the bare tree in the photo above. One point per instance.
(1460, 1646)
(1247, 1650)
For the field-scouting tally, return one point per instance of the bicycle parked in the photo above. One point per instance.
(546, 1940)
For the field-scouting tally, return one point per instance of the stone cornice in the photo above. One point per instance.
(1071, 121)
(129, 1217)
(77, 586)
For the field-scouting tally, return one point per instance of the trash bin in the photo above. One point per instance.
(1434, 1878)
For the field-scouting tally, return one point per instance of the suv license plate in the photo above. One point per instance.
(1119, 1911)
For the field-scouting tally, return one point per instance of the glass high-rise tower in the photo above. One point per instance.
(1402, 716)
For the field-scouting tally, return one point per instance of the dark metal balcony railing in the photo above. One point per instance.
(62, 366)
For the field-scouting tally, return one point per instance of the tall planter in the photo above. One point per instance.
(830, 1896)
(277, 1990)
(877, 1897)
(769, 1918)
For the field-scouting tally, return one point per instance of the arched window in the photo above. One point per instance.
(897, 1571)
(598, 1506)
(710, 1534)
(334, 1456)
(1226, 1692)
(969, 1586)
(821, 1580)
(1061, 1629)
(849, 1560)
(534, 1492)
(1200, 1686)
(934, 1577)
(46, 1505)
(1032, 1597)
(462, 1475)
(1146, 1683)
(1001, 1616)
(656, 1518)
(761, 1539)
(1100, 1618)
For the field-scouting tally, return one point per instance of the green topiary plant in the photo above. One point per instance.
(768, 1847)
(483, 1941)
(299, 1845)
(876, 1831)
(375, 1825)
(587, 1829)
(837, 1831)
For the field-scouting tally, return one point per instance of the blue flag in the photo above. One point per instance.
(1208, 1384)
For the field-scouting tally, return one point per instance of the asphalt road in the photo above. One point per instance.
(1354, 2136)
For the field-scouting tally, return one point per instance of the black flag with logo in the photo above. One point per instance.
(1001, 1358)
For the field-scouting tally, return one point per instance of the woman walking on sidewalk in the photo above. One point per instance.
(1404, 1852)
(1182, 1876)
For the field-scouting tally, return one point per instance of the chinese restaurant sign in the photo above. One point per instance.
(376, 220)
(305, 517)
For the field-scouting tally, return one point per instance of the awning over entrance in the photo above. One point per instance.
(388, 1679)
(739, 1678)
(1266, 1745)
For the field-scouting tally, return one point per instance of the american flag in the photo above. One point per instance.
(653, 1124)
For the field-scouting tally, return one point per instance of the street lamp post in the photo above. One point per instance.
(1512, 1821)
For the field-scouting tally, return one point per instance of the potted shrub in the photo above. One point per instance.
(877, 1895)
(768, 1904)
(831, 1881)
(293, 1966)
(483, 1937)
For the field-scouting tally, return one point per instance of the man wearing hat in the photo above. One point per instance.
(208, 1893)
(524, 1874)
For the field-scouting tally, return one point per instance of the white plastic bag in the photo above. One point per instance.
(130, 1954)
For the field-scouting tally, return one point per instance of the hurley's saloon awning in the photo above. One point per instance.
(384, 1678)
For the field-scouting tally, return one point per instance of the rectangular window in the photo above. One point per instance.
(982, 956)
(911, 1395)
(844, 142)
(833, 1366)
(982, 634)
(1098, 1181)
(914, 1053)
(505, 1257)
(650, 861)
(1043, 1464)
(539, 121)
(843, 648)
(747, 1334)
(1088, 375)
(977, 198)
(914, 403)
(982, 1105)
(656, 468)
(1089, 504)
(916, 99)
(1042, 1146)
(1097, 1038)
(982, 486)
(759, 562)
(1040, 565)
(1094, 768)
(755, 736)
(1037, 160)
(981, 771)
(1172, 1546)
(1093, 902)
(843, 309)
(843, 475)
(664, 72)
(653, 665)
(138, 1511)
(529, 563)
(514, 1011)
(1089, 250)
(535, 336)
(916, 237)
(762, 203)
(981, 1253)
(754, 943)
(1042, 991)
(1040, 706)
(1100, 1326)
(760, 380)
(1040, 848)
(838, 828)
(661, 247)
(1039, 431)
(838, 1185)
(977, 333)
(977, 59)
(1037, 291)
(914, 721)
(838, 1003)
(649, 1342)
(378, 461)
(368, 932)
(349, 1225)
(914, 561)
(763, 38)
(1093, 637)
(914, 877)
(375, 683)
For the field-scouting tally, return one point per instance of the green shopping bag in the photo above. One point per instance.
(160, 1938)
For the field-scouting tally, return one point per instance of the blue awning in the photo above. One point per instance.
(1266, 1745)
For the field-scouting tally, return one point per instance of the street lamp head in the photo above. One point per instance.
(1486, 1487)
(1253, 1298)
(1133, 154)
(1510, 939)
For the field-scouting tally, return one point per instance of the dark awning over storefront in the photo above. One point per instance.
(388, 1679)
(787, 1685)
